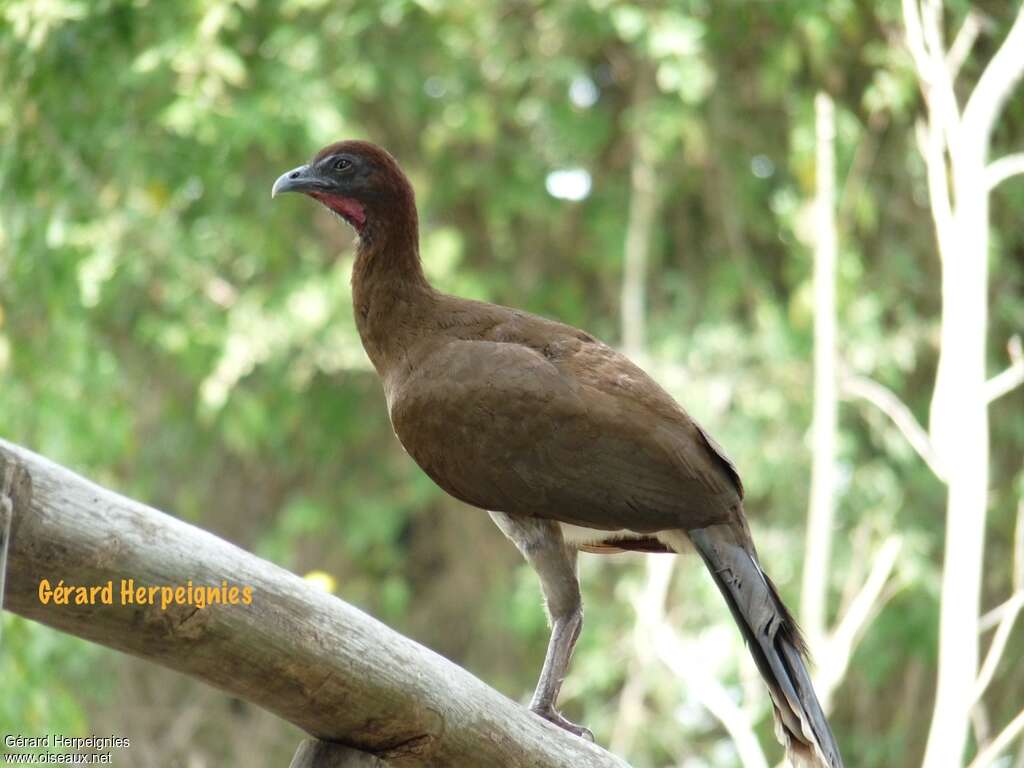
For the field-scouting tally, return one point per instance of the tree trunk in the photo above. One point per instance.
(955, 148)
(643, 207)
(959, 425)
(818, 550)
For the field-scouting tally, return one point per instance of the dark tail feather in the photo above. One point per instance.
(774, 641)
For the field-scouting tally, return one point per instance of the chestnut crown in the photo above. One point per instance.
(359, 181)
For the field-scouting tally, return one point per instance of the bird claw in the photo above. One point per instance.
(554, 716)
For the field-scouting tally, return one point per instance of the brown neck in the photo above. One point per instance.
(388, 254)
(389, 288)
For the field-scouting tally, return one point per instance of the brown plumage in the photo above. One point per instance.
(566, 443)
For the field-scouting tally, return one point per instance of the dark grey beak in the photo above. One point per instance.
(301, 179)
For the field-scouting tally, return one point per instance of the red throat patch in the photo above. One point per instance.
(346, 207)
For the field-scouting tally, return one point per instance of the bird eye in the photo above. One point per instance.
(341, 164)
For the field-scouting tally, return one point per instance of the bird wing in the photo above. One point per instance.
(548, 422)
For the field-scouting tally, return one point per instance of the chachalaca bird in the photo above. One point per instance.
(565, 442)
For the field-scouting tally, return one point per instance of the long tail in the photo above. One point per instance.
(774, 641)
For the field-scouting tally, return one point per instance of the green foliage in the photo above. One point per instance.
(43, 669)
(169, 332)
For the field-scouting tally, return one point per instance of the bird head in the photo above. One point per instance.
(359, 181)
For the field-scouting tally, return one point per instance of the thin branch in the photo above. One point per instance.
(1008, 610)
(712, 694)
(821, 512)
(888, 403)
(1018, 549)
(1005, 738)
(867, 600)
(1004, 168)
(1004, 615)
(870, 598)
(995, 84)
(931, 145)
(643, 208)
(650, 611)
(963, 43)
(1005, 382)
(915, 40)
(993, 617)
(932, 28)
(942, 105)
(858, 545)
(655, 631)
(996, 649)
(981, 724)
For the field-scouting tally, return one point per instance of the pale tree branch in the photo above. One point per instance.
(650, 608)
(860, 549)
(995, 84)
(869, 600)
(955, 152)
(988, 755)
(654, 636)
(932, 147)
(1008, 611)
(834, 649)
(643, 207)
(631, 710)
(932, 28)
(1018, 549)
(821, 512)
(915, 39)
(945, 111)
(643, 200)
(996, 649)
(962, 44)
(995, 616)
(1004, 168)
(981, 725)
(713, 695)
(655, 631)
(899, 414)
(920, 37)
(1011, 378)
(940, 135)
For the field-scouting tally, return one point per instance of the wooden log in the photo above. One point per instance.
(298, 652)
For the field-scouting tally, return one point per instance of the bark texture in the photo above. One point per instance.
(304, 655)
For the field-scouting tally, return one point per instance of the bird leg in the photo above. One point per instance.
(565, 629)
(541, 543)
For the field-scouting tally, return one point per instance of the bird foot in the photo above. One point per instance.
(554, 716)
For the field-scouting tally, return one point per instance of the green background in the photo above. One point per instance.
(169, 332)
